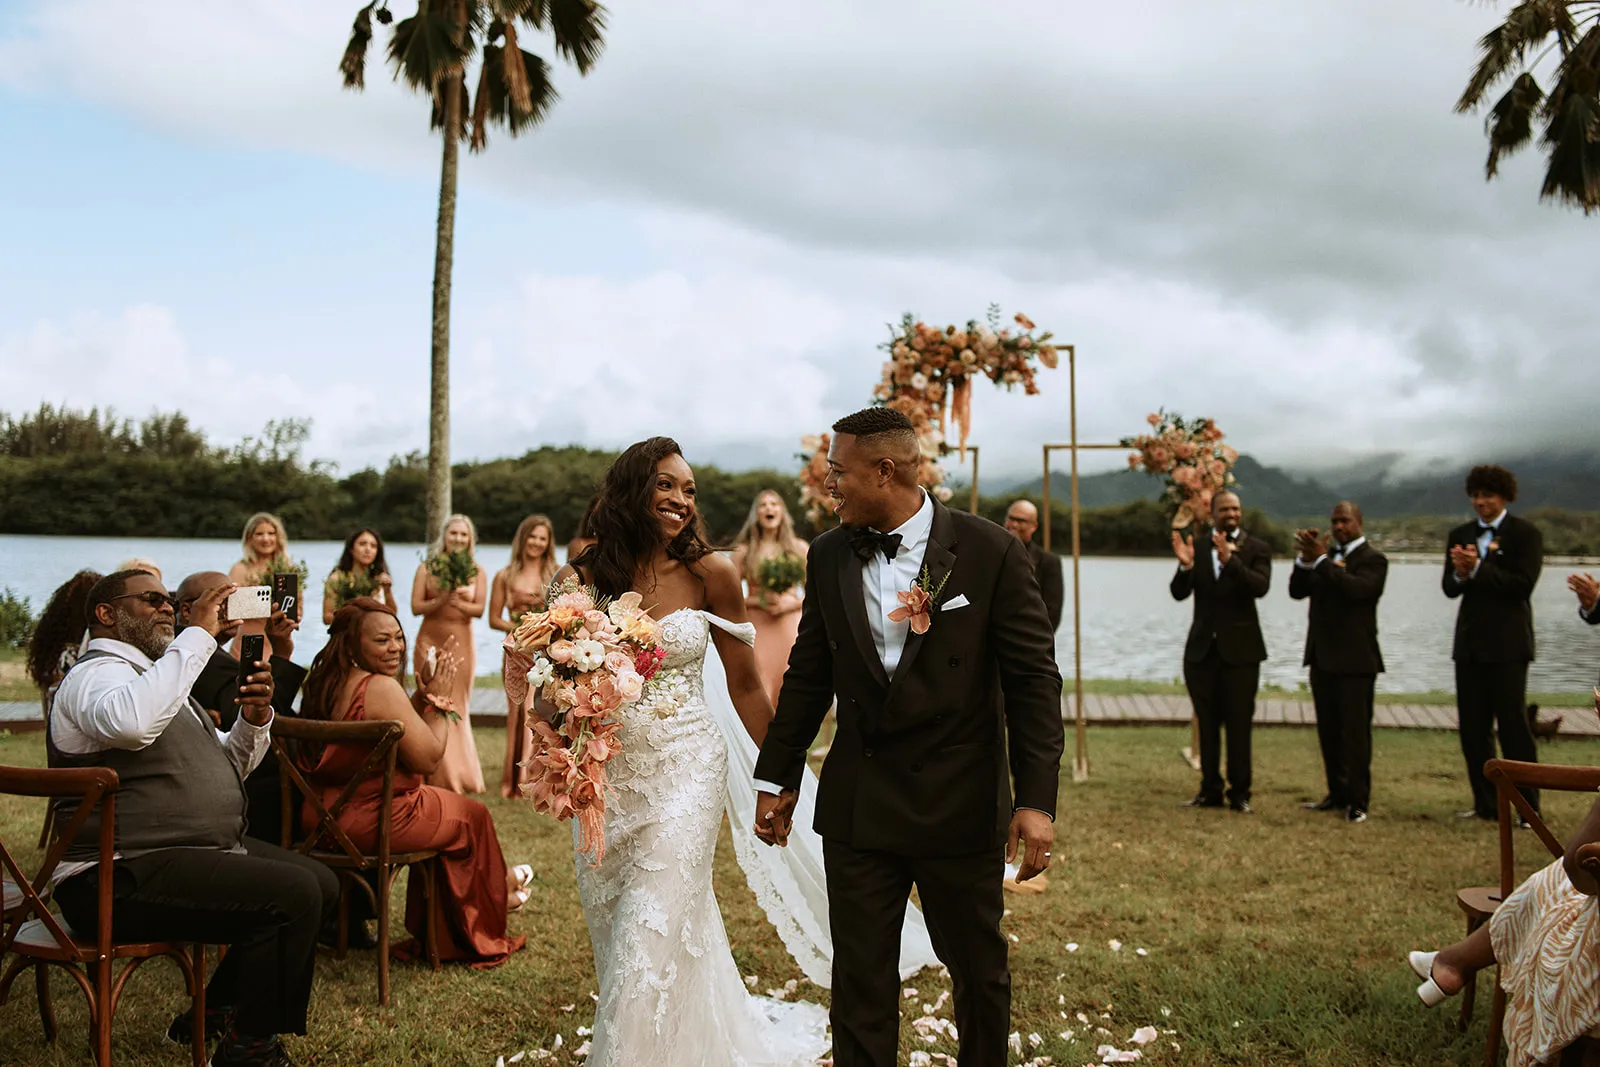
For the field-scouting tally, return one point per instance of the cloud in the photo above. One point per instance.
(1260, 212)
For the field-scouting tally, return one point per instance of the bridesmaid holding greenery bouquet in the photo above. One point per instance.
(361, 572)
(772, 561)
(448, 592)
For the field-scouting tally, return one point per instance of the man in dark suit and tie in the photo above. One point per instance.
(1343, 580)
(926, 627)
(1492, 565)
(1226, 573)
(1022, 519)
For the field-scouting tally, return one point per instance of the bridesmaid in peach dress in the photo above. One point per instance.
(447, 616)
(519, 588)
(768, 533)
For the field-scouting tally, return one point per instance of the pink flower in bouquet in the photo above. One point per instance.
(1153, 419)
(630, 685)
(1229, 454)
(597, 698)
(561, 652)
(576, 600)
(597, 623)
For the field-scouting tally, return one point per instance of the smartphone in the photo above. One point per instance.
(252, 650)
(286, 594)
(249, 602)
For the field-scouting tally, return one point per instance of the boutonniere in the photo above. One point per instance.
(1494, 546)
(916, 603)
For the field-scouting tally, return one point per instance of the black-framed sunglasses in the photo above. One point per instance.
(151, 598)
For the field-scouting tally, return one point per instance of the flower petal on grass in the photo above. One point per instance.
(1144, 1035)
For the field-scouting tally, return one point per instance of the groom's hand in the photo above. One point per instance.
(775, 816)
(1031, 833)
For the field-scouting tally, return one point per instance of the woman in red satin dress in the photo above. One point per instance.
(355, 677)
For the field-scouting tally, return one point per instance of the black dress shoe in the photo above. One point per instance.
(360, 936)
(1242, 807)
(1355, 814)
(269, 1053)
(1200, 800)
(1325, 804)
(182, 1031)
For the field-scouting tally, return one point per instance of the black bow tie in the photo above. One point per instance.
(1485, 527)
(866, 543)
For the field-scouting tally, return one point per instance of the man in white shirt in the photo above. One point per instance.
(184, 869)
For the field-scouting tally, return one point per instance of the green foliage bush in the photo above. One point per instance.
(16, 620)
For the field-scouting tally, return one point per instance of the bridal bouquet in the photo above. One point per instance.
(586, 657)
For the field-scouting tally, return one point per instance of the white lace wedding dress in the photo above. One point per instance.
(670, 992)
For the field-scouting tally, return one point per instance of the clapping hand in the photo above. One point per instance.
(1311, 544)
(1183, 548)
(1587, 588)
(1464, 558)
(436, 674)
(1223, 546)
(775, 816)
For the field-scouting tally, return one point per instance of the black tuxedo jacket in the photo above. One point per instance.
(919, 764)
(1495, 621)
(1342, 630)
(218, 686)
(1047, 569)
(1225, 606)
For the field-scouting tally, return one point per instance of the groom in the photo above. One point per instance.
(934, 710)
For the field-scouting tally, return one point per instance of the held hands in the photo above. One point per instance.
(1223, 546)
(255, 695)
(1033, 832)
(1464, 558)
(775, 816)
(1183, 548)
(206, 611)
(1587, 588)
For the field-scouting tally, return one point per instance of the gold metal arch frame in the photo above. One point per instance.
(1080, 764)
(972, 503)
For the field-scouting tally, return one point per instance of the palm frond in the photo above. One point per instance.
(1573, 175)
(428, 47)
(353, 65)
(463, 104)
(578, 27)
(1510, 121)
(494, 103)
(519, 95)
(1508, 44)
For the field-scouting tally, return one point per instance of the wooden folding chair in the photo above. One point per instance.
(330, 844)
(1510, 777)
(40, 939)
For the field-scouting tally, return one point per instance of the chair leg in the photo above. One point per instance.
(105, 1011)
(342, 945)
(1491, 1055)
(47, 1009)
(432, 928)
(198, 1007)
(1469, 995)
(382, 894)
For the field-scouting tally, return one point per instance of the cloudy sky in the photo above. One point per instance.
(1258, 211)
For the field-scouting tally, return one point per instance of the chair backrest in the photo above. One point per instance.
(1510, 777)
(92, 786)
(380, 738)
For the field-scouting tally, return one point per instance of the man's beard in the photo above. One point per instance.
(150, 635)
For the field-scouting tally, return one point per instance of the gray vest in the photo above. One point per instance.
(181, 791)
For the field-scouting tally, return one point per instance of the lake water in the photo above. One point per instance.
(1132, 627)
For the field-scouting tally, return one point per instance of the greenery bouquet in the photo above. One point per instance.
(452, 570)
(779, 574)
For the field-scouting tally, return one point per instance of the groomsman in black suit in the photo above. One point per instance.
(1022, 519)
(1343, 578)
(1227, 573)
(1492, 565)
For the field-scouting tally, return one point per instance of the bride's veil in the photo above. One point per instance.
(789, 882)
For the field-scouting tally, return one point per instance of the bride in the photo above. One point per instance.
(670, 992)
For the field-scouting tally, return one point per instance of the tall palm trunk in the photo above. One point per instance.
(439, 504)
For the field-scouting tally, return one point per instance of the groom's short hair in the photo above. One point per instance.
(884, 433)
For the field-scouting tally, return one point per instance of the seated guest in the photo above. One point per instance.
(357, 676)
(59, 635)
(1545, 937)
(184, 869)
(217, 691)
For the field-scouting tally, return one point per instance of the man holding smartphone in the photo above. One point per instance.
(184, 870)
(217, 690)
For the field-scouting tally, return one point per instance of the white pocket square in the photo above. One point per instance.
(958, 601)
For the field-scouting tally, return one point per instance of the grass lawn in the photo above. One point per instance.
(14, 683)
(1278, 939)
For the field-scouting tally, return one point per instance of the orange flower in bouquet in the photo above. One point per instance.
(586, 658)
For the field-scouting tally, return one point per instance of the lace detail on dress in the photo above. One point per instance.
(669, 990)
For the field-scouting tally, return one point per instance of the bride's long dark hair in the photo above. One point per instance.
(625, 527)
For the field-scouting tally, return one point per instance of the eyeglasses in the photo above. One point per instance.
(151, 598)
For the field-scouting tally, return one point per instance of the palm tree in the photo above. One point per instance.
(431, 52)
(1569, 114)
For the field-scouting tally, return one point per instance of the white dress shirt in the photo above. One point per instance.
(1339, 552)
(1216, 560)
(106, 703)
(880, 581)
